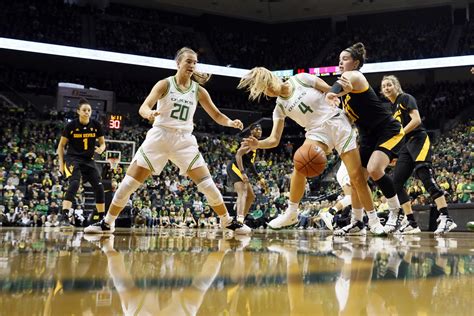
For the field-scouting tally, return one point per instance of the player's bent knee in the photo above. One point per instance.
(425, 174)
(72, 190)
(212, 193)
(125, 189)
(99, 193)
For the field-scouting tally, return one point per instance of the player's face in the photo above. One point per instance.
(187, 63)
(388, 89)
(257, 133)
(84, 112)
(346, 62)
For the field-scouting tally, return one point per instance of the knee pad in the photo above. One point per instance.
(71, 190)
(99, 193)
(346, 201)
(125, 189)
(425, 173)
(212, 193)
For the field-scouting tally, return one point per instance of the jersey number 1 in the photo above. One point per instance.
(304, 108)
(85, 143)
(180, 112)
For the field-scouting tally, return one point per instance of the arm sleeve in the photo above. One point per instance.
(67, 131)
(410, 103)
(278, 112)
(306, 79)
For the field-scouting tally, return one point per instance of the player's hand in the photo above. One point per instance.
(98, 150)
(245, 179)
(151, 116)
(345, 83)
(250, 142)
(332, 99)
(393, 163)
(472, 70)
(236, 124)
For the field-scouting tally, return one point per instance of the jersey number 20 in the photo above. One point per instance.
(180, 112)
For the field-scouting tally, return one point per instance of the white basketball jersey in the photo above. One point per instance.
(177, 107)
(306, 105)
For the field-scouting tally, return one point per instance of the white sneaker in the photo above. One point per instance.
(410, 228)
(376, 227)
(394, 221)
(355, 228)
(445, 225)
(327, 219)
(99, 228)
(286, 219)
(244, 230)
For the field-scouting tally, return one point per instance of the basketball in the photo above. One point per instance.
(310, 160)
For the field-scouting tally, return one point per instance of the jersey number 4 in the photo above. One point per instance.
(180, 112)
(304, 108)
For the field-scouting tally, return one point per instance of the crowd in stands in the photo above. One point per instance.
(32, 188)
(421, 33)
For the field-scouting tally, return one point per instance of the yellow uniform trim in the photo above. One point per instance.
(392, 142)
(237, 171)
(361, 91)
(67, 171)
(424, 151)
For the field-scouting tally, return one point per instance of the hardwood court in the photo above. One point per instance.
(200, 272)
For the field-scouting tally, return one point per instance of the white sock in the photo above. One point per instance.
(393, 203)
(292, 207)
(358, 213)
(240, 218)
(224, 218)
(372, 215)
(110, 219)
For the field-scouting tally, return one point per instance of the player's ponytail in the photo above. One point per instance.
(257, 81)
(199, 77)
(358, 52)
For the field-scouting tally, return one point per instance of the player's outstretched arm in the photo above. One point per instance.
(271, 141)
(212, 110)
(60, 151)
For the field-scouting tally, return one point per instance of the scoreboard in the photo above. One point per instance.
(114, 121)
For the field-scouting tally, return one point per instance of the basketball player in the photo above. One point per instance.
(380, 135)
(300, 98)
(415, 155)
(342, 177)
(171, 138)
(80, 136)
(237, 175)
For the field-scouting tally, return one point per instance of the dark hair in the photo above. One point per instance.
(254, 126)
(82, 101)
(358, 52)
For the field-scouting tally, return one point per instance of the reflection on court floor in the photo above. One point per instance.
(191, 272)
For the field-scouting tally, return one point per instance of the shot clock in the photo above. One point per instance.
(114, 121)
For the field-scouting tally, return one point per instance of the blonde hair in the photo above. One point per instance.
(257, 81)
(199, 77)
(394, 80)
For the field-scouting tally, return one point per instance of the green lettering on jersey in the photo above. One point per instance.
(304, 108)
(180, 112)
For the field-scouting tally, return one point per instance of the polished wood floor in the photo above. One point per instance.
(196, 272)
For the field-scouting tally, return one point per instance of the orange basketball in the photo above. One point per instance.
(310, 160)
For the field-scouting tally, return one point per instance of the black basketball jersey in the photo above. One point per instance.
(82, 138)
(365, 109)
(248, 160)
(405, 103)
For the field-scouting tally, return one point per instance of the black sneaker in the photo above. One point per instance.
(100, 227)
(96, 217)
(64, 223)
